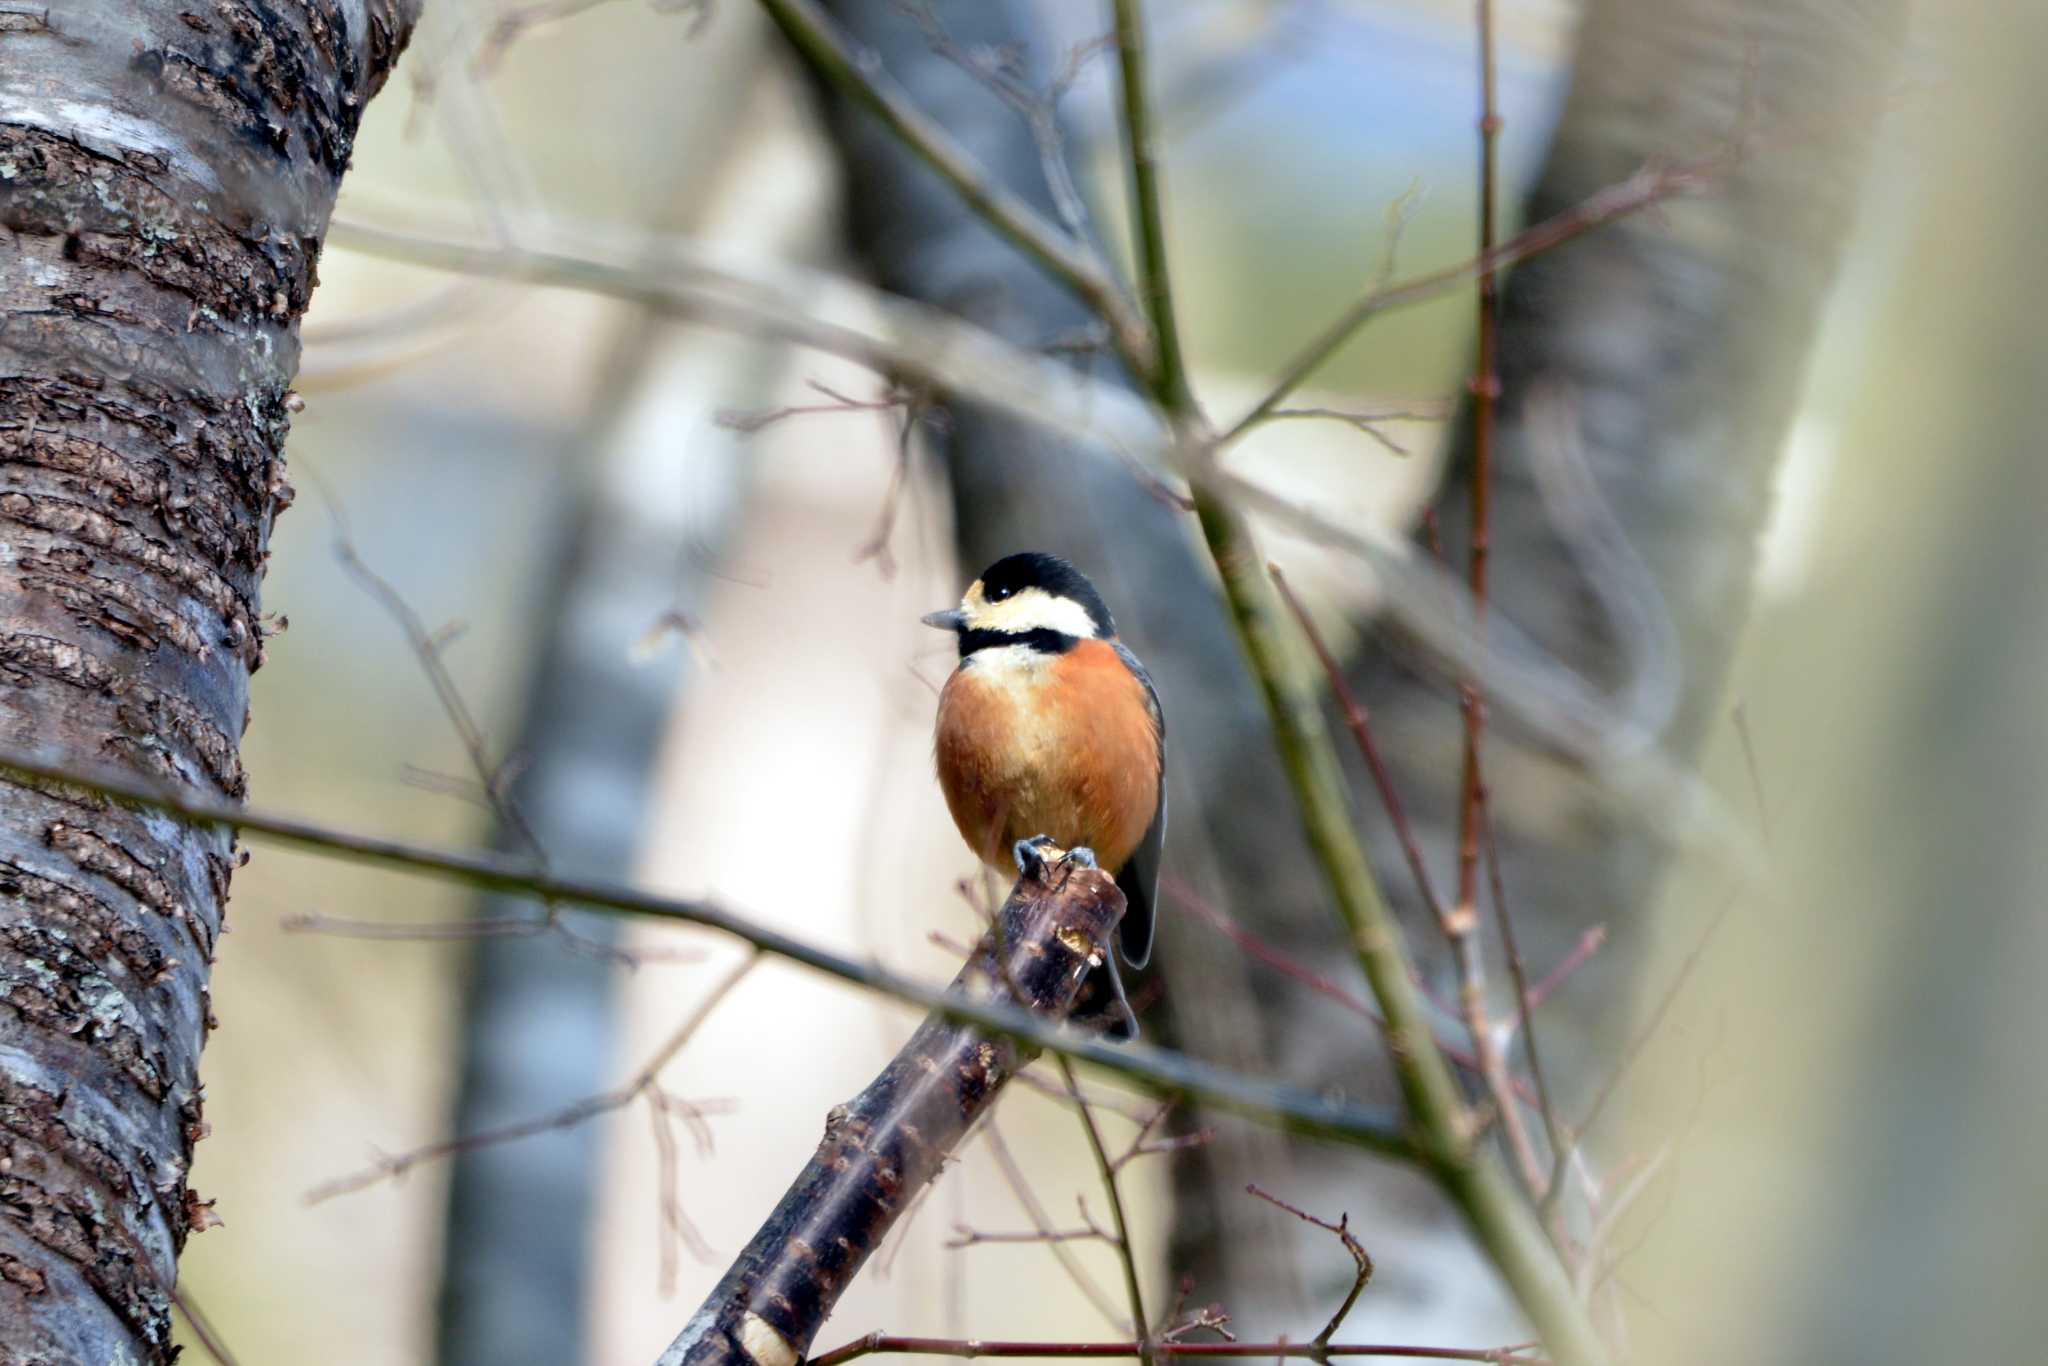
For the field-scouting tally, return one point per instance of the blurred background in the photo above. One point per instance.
(1810, 399)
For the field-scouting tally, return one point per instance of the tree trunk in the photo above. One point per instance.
(166, 176)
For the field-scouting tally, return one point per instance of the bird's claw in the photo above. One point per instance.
(1030, 855)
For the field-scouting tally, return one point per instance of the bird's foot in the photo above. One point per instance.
(1031, 855)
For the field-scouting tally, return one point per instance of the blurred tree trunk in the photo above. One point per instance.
(168, 175)
(1887, 1129)
(1682, 336)
(645, 539)
(537, 1031)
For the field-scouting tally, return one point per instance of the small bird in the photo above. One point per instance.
(1050, 729)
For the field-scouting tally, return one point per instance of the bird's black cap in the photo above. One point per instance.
(1036, 569)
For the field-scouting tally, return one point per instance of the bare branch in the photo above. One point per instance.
(875, 1343)
(643, 1083)
(886, 1145)
(1159, 1072)
(1013, 1176)
(1127, 1256)
(515, 23)
(209, 1338)
(1648, 186)
(860, 78)
(1359, 1258)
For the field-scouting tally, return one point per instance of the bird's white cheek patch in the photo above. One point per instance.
(1034, 609)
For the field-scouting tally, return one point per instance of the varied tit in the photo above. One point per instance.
(1050, 728)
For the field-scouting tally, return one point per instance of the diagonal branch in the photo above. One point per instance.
(883, 1148)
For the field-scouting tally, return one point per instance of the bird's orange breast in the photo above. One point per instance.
(1037, 744)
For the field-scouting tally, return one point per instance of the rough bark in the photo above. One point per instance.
(893, 1139)
(1682, 336)
(166, 175)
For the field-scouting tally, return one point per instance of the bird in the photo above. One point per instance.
(1049, 729)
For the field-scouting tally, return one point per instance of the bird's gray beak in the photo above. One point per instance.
(949, 620)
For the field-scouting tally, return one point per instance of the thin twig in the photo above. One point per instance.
(1589, 944)
(1650, 1027)
(516, 22)
(1648, 186)
(967, 1347)
(1359, 1257)
(1126, 1255)
(1360, 725)
(963, 1236)
(1525, 1007)
(1370, 421)
(1031, 1081)
(1461, 922)
(644, 1082)
(861, 78)
(747, 422)
(493, 778)
(998, 70)
(1157, 1071)
(1020, 1188)
(209, 1339)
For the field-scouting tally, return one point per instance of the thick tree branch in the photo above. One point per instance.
(881, 1150)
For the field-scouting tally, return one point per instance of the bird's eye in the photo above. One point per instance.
(999, 592)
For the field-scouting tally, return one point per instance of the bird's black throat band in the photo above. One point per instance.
(1042, 639)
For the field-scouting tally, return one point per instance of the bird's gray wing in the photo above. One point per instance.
(1138, 880)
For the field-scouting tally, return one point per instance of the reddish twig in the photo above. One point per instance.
(1356, 718)
(1359, 1256)
(1257, 948)
(1461, 925)
(969, 1347)
(1001, 71)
